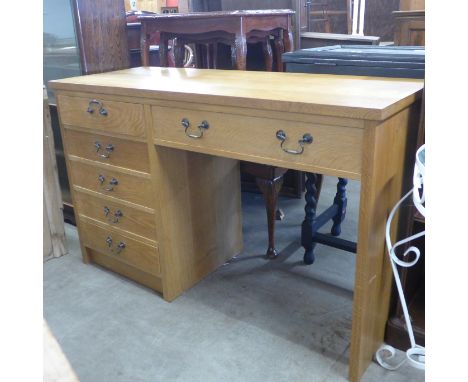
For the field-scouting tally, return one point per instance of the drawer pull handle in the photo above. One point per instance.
(109, 149)
(203, 126)
(91, 108)
(118, 214)
(113, 182)
(120, 247)
(306, 139)
(109, 241)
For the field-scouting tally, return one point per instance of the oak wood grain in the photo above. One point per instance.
(140, 276)
(131, 188)
(136, 253)
(125, 153)
(198, 213)
(373, 98)
(123, 118)
(387, 164)
(133, 220)
(335, 150)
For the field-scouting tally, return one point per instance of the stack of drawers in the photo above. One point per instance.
(108, 165)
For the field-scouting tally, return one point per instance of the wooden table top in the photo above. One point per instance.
(339, 36)
(203, 15)
(371, 98)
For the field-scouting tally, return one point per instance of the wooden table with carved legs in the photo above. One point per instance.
(234, 28)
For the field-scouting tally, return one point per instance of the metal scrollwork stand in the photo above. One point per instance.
(416, 354)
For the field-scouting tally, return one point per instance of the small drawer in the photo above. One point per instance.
(326, 149)
(133, 189)
(102, 114)
(116, 214)
(121, 247)
(118, 152)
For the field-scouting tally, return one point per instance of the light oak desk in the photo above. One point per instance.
(153, 157)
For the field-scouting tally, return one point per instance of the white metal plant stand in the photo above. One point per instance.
(416, 354)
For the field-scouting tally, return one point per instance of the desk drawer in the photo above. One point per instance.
(102, 114)
(133, 189)
(121, 247)
(334, 149)
(105, 149)
(116, 214)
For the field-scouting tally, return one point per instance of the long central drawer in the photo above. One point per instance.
(327, 149)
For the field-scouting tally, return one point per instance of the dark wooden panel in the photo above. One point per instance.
(205, 5)
(409, 27)
(232, 5)
(101, 33)
(334, 11)
(378, 19)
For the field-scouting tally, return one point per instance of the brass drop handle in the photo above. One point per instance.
(117, 215)
(91, 108)
(109, 149)
(203, 126)
(109, 241)
(114, 182)
(305, 140)
(120, 247)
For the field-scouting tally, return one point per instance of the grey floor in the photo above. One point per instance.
(251, 320)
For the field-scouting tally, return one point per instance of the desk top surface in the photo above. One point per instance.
(373, 98)
(204, 15)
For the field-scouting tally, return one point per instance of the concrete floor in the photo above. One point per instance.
(251, 320)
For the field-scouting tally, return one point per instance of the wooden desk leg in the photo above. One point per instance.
(268, 54)
(144, 48)
(212, 55)
(239, 52)
(307, 233)
(387, 166)
(288, 40)
(199, 56)
(270, 189)
(209, 55)
(341, 200)
(279, 50)
(163, 49)
(179, 52)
